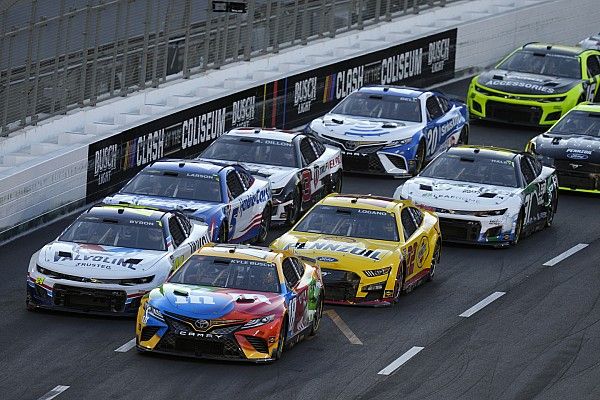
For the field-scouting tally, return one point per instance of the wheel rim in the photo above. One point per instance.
(265, 223)
(434, 261)
(399, 284)
(281, 342)
(463, 138)
(338, 185)
(420, 158)
(295, 209)
(550, 216)
(518, 230)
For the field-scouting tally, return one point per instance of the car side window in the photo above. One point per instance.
(299, 266)
(185, 224)
(234, 185)
(289, 272)
(433, 108)
(308, 153)
(593, 66)
(247, 179)
(176, 231)
(536, 165)
(408, 224)
(527, 171)
(317, 146)
(444, 104)
(417, 215)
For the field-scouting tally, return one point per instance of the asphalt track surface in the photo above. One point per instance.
(539, 340)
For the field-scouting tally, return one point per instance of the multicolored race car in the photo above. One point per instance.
(485, 195)
(301, 169)
(371, 249)
(535, 85)
(236, 206)
(392, 130)
(233, 302)
(572, 147)
(109, 257)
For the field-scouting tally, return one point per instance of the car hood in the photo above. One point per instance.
(455, 195)
(197, 209)
(338, 252)
(523, 83)
(345, 127)
(573, 147)
(278, 176)
(95, 261)
(210, 303)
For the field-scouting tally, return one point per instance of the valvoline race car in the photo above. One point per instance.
(370, 249)
(235, 205)
(392, 130)
(572, 147)
(485, 195)
(301, 169)
(109, 257)
(233, 302)
(535, 85)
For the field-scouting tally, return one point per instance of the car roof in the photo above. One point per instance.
(588, 107)
(195, 166)
(362, 201)
(491, 152)
(264, 133)
(400, 91)
(122, 212)
(548, 48)
(240, 252)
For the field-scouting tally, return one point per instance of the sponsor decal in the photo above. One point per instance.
(200, 335)
(578, 154)
(439, 52)
(524, 85)
(372, 212)
(305, 92)
(327, 259)
(401, 66)
(96, 261)
(337, 247)
(204, 128)
(243, 112)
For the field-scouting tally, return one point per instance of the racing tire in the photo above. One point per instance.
(419, 158)
(518, 228)
(265, 224)
(295, 209)
(463, 138)
(223, 233)
(434, 261)
(29, 305)
(281, 342)
(337, 186)
(550, 213)
(399, 286)
(318, 316)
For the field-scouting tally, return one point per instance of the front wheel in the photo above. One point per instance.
(399, 286)
(223, 234)
(552, 210)
(518, 229)
(295, 208)
(434, 262)
(265, 224)
(281, 342)
(316, 323)
(337, 186)
(463, 138)
(419, 158)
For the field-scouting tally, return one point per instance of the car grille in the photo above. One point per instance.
(459, 230)
(362, 163)
(148, 332)
(365, 147)
(340, 285)
(259, 344)
(86, 299)
(584, 176)
(397, 161)
(513, 112)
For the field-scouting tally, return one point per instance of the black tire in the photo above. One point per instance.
(434, 261)
(223, 233)
(318, 316)
(419, 158)
(518, 228)
(265, 225)
(29, 305)
(295, 209)
(550, 213)
(337, 186)
(399, 287)
(463, 138)
(281, 342)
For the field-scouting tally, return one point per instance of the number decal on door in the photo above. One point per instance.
(306, 180)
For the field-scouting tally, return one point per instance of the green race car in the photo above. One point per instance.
(535, 84)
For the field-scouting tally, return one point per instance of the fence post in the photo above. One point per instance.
(186, 49)
(34, 97)
(147, 19)
(113, 67)
(24, 100)
(249, 26)
(124, 88)
(63, 105)
(93, 89)
(388, 10)
(377, 10)
(156, 44)
(86, 45)
(7, 84)
(61, 19)
(166, 39)
(305, 21)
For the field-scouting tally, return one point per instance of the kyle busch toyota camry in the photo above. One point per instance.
(111, 256)
(485, 195)
(392, 130)
(233, 302)
(301, 169)
(235, 205)
(535, 85)
(370, 249)
(572, 147)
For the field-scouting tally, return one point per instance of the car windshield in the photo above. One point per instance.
(578, 123)
(252, 150)
(350, 222)
(543, 64)
(398, 108)
(134, 234)
(482, 170)
(228, 273)
(176, 185)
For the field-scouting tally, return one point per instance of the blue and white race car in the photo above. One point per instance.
(236, 206)
(392, 130)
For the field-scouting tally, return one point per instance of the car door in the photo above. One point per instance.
(253, 201)
(298, 295)
(533, 191)
(237, 217)
(183, 248)
(416, 249)
(435, 117)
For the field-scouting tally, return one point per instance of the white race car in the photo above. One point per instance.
(485, 195)
(300, 168)
(592, 42)
(109, 257)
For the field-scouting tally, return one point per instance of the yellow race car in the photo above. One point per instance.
(370, 248)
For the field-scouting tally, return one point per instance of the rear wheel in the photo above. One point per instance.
(317, 319)
(295, 208)
(419, 158)
(265, 224)
(434, 261)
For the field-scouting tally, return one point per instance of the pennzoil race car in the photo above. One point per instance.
(485, 195)
(232, 302)
(572, 147)
(370, 249)
(535, 85)
(235, 205)
(301, 169)
(109, 257)
(392, 130)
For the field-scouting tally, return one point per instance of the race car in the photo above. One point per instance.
(301, 169)
(535, 85)
(233, 302)
(109, 257)
(371, 249)
(592, 42)
(572, 147)
(235, 205)
(392, 130)
(485, 195)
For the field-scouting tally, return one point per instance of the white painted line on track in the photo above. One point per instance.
(397, 363)
(126, 347)
(54, 392)
(337, 320)
(566, 254)
(492, 297)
